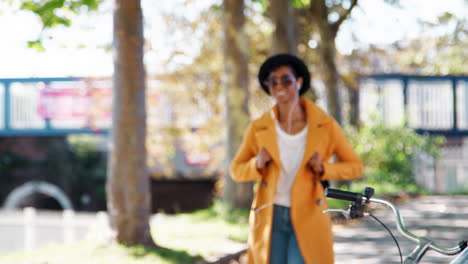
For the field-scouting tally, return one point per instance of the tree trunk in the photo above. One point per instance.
(327, 52)
(354, 100)
(235, 85)
(128, 192)
(284, 37)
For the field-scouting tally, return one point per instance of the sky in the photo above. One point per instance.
(80, 50)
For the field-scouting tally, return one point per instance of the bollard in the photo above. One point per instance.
(68, 226)
(29, 218)
(103, 226)
(102, 218)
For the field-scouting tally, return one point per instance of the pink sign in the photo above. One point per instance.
(75, 103)
(63, 103)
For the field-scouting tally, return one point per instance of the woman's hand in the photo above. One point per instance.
(263, 157)
(315, 163)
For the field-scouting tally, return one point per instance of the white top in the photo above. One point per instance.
(291, 149)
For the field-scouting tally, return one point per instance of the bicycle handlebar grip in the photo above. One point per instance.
(463, 244)
(343, 195)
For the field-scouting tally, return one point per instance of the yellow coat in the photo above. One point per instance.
(312, 227)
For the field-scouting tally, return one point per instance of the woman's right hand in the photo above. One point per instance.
(263, 157)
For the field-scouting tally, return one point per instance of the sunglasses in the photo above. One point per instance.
(283, 80)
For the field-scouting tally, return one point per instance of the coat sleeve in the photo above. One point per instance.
(349, 165)
(243, 167)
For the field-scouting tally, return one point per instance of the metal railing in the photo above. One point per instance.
(428, 104)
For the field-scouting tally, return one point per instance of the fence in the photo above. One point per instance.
(428, 104)
(451, 172)
(446, 174)
(29, 228)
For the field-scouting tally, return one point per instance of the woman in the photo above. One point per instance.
(287, 151)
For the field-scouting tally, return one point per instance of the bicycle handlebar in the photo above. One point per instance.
(359, 198)
(343, 195)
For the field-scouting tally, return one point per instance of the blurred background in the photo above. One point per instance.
(393, 73)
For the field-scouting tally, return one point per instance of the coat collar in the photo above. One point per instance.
(316, 119)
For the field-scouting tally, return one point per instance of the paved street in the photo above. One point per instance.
(444, 219)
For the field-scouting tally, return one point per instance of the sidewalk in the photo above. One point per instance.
(444, 219)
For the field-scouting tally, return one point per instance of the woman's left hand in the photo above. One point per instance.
(315, 163)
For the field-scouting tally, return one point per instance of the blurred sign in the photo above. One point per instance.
(79, 101)
(63, 103)
(199, 159)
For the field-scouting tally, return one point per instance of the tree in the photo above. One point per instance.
(443, 54)
(128, 181)
(128, 191)
(284, 37)
(425, 54)
(320, 13)
(236, 94)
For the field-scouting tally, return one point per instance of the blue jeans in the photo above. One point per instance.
(284, 248)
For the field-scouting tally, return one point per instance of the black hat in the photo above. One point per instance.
(276, 61)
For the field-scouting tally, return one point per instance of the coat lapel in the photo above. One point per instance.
(266, 137)
(316, 119)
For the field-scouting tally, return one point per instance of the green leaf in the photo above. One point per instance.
(92, 4)
(300, 3)
(52, 5)
(29, 5)
(37, 45)
(445, 18)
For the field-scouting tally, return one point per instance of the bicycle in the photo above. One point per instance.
(356, 210)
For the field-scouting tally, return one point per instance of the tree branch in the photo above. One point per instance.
(343, 16)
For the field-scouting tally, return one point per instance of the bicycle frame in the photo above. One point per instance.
(462, 258)
(424, 244)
